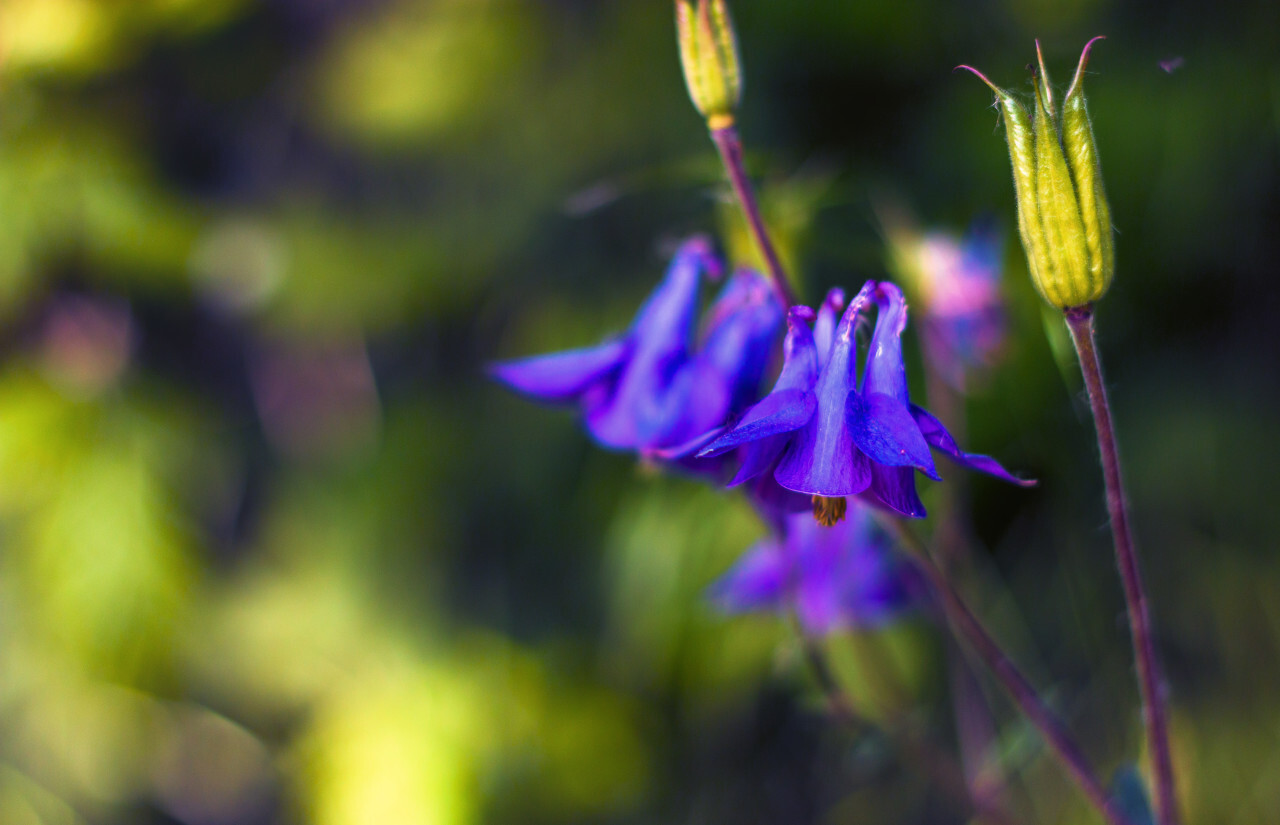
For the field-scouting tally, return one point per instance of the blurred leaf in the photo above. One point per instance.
(420, 70)
(80, 38)
(106, 569)
(67, 35)
(103, 565)
(669, 542)
(37, 440)
(275, 639)
(72, 186)
(886, 672)
(590, 760)
(25, 802)
(413, 735)
(397, 744)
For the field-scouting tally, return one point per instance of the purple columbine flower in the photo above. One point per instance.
(648, 389)
(804, 428)
(821, 435)
(846, 576)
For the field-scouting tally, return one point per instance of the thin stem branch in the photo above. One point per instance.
(1024, 695)
(729, 145)
(975, 725)
(937, 764)
(1150, 679)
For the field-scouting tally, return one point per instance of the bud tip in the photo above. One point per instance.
(1084, 61)
(980, 76)
(1046, 90)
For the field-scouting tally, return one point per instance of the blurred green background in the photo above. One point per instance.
(272, 550)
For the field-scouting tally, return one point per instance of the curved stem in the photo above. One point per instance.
(1150, 680)
(1024, 695)
(975, 725)
(920, 752)
(729, 146)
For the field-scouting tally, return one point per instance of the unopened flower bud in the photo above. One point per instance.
(1063, 215)
(709, 54)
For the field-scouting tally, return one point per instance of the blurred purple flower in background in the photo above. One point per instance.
(846, 576)
(316, 398)
(86, 342)
(956, 284)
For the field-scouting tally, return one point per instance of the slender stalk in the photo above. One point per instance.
(1150, 679)
(1024, 695)
(920, 752)
(730, 147)
(975, 727)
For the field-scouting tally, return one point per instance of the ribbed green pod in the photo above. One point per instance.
(1059, 214)
(1043, 85)
(1086, 172)
(709, 56)
(1063, 216)
(1017, 124)
(721, 26)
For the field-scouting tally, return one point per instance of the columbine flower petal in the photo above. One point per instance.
(836, 577)
(882, 425)
(756, 582)
(824, 328)
(764, 427)
(648, 389)
(563, 376)
(647, 399)
(724, 375)
(781, 411)
(822, 460)
(938, 437)
(883, 428)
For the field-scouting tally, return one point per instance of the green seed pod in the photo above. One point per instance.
(1063, 216)
(1082, 155)
(709, 55)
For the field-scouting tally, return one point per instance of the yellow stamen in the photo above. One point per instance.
(829, 511)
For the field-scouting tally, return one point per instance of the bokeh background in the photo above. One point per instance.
(273, 550)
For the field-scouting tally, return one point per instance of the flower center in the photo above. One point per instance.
(828, 511)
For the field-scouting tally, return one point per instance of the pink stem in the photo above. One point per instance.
(1150, 679)
(1024, 695)
(730, 147)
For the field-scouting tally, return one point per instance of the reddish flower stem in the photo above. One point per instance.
(1024, 695)
(729, 146)
(1150, 679)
